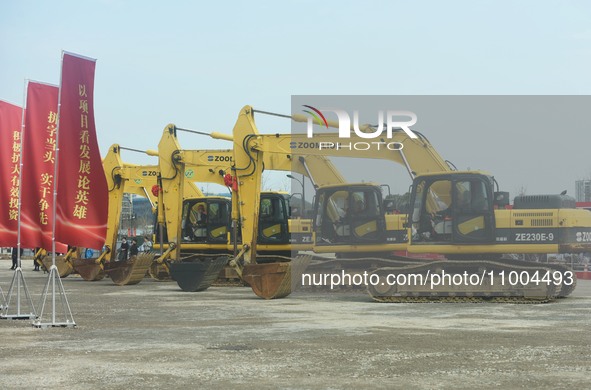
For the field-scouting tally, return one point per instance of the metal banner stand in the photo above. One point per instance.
(68, 320)
(3, 302)
(18, 282)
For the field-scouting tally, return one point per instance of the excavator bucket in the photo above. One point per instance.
(89, 269)
(159, 272)
(63, 264)
(273, 280)
(131, 271)
(197, 272)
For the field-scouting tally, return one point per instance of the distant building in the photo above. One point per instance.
(127, 216)
(583, 190)
(127, 208)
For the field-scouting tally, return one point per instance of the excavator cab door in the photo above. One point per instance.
(218, 220)
(349, 215)
(472, 210)
(273, 219)
(453, 209)
(367, 216)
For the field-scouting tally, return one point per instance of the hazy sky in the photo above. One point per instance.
(196, 64)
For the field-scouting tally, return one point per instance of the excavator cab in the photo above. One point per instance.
(349, 214)
(206, 220)
(453, 208)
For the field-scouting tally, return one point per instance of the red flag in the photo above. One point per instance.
(10, 144)
(82, 186)
(38, 146)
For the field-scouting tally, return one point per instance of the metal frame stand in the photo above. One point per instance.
(68, 319)
(3, 302)
(18, 279)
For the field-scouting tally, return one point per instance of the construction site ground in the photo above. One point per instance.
(153, 335)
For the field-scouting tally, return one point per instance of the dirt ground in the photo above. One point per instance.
(153, 335)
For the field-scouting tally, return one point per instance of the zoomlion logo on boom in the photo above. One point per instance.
(362, 132)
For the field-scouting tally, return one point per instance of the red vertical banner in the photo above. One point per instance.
(10, 146)
(82, 187)
(38, 147)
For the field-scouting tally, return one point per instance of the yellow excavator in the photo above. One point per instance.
(139, 180)
(269, 277)
(179, 221)
(477, 237)
(132, 179)
(191, 264)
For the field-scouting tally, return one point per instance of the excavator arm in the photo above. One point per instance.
(175, 173)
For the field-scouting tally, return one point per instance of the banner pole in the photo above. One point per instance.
(20, 178)
(55, 171)
(54, 208)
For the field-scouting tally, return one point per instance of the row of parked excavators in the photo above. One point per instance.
(461, 215)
